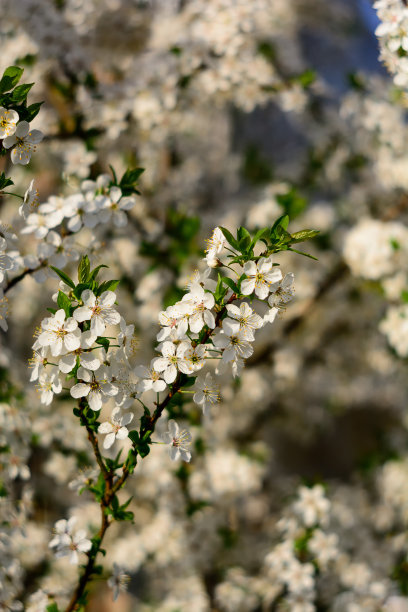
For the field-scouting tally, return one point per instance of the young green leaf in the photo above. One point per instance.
(84, 269)
(304, 235)
(64, 302)
(64, 277)
(230, 238)
(10, 78)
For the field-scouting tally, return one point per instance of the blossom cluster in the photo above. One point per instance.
(392, 33)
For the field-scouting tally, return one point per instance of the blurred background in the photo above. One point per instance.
(239, 111)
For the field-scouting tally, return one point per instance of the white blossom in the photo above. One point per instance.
(23, 141)
(115, 428)
(99, 310)
(260, 277)
(179, 441)
(96, 387)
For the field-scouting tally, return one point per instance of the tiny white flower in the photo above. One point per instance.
(60, 334)
(282, 292)
(99, 310)
(215, 246)
(202, 302)
(68, 542)
(234, 344)
(23, 141)
(87, 358)
(313, 506)
(30, 202)
(195, 357)
(248, 319)
(115, 428)
(96, 387)
(55, 210)
(207, 392)
(48, 384)
(172, 361)
(150, 379)
(118, 581)
(260, 277)
(174, 319)
(179, 441)
(113, 206)
(8, 122)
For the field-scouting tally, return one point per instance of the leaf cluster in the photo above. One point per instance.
(128, 182)
(13, 96)
(275, 238)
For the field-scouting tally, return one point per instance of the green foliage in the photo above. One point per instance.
(64, 277)
(84, 269)
(98, 489)
(10, 78)
(141, 445)
(14, 97)
(64, 302)
(53, 608)
(5, 181)
(400, 575)
(107, 286)
(119, 512)
(276, 238)
(129, 180)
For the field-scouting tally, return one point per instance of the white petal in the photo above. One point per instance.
(83, 313)
(73, 341)
(89, 361)
(248, 286)
(107, 299)
(105, 428)
(67, 363)
(109, 440)
(170, 374)
(122, 433)
(80, 390)
(95, 400)
(97, 325)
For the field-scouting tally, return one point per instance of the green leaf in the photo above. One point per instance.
(107, 286)
(5, 181)
(262, 234)
(32, 111)
(64, 277)
(10, 78)
(103, 342)
(244, 239)
(20, 93)
(52, 310)
(304, 235)
(52, 608)
(220, 291)
(230, 283)
(84, 269)
(96, 270)
(134, 436)
(131, 461)
(306, 79)
(129, 180)
(64, 302)
(230, 238)
(115, 179)
(80, 288)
